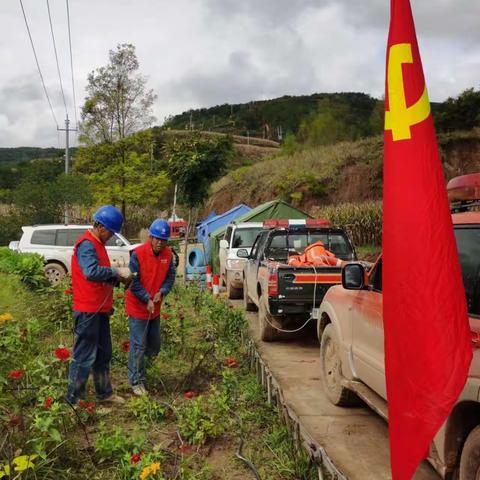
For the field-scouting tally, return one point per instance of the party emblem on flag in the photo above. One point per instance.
(401, 117)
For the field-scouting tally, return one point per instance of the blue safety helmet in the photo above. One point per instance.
(160, 229)
(110, 217)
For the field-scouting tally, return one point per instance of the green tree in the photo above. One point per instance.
(460, 113)
(44, 200)
(193, 163)
(124, 172)
(118, 102)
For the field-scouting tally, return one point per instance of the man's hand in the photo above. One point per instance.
(157, 298)
(124, 275)
(150, 306)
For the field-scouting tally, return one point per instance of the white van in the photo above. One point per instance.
(237, 237)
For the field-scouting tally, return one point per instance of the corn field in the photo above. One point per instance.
(363, 221)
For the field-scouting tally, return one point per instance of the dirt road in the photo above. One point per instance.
(355, 440)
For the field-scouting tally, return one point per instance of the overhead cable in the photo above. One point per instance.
(56, 57)
(71, 65)
(38, 65)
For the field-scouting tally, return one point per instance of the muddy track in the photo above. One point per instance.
(350, 442)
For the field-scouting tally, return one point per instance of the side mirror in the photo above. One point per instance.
(353, 276)
(242, 253)
(224, 244)
(118, 242)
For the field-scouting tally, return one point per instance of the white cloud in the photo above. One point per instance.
(199, 53)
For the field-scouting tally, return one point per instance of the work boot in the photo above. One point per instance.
(139, 390)
(113, 399)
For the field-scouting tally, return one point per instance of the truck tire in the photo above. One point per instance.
(248, 305)
(470, 459)
(267, 332)
(54, 272)
(331, 366)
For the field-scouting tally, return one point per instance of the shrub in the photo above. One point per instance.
(28, 266)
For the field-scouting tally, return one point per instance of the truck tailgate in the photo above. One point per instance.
(300, 284)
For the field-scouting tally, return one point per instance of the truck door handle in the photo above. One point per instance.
(289, 277)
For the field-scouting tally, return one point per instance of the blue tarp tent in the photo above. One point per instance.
(212, 224)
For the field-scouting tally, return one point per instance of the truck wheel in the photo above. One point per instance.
(331, 366)
(267, 332)
(248, 305)
(54, 272)
(232, 292)
(470, 459)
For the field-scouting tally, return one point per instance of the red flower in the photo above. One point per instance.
(16, 374)
(88, 406)
(165, 316)
(62, 354)
(231, 362)
(126, 346)
(135, 458)
(68, 291)
(190, 394)
(15, 420)
(48, 403)
(184, 448)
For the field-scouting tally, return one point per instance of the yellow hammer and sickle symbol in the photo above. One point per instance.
(400, 118)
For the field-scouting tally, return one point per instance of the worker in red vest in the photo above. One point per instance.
(153, 277)
(92, 280)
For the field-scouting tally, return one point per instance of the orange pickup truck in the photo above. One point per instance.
(350, 330)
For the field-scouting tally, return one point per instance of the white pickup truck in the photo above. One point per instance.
(238, 236)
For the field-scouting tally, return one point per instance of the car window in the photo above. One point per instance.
(228, 235)
(244, 237)
(468, 245)
(43, 237)
(112, 241)
(257, 245)
(336, 243)
(66, 237)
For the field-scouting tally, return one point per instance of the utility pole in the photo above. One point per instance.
(67, 130)
(174, 214)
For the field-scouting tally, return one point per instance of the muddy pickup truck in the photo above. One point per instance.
(286, 295)
(350, 331)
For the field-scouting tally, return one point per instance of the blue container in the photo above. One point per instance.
(195, 258)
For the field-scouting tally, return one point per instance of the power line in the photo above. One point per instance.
(38, 65)
(71, 66)
(56, 57)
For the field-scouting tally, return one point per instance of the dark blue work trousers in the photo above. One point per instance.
(144, 341)
(92, 351)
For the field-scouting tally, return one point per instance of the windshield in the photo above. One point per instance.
(468, 245)
(244, 237)
(336, 243)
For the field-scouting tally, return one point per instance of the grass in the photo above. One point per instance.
(203, 397)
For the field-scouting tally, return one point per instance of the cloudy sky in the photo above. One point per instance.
(200, 53)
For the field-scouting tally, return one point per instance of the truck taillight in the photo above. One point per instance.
(273, 284)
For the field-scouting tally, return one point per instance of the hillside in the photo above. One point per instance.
(273, 118)
(13, 156)
(345, 172)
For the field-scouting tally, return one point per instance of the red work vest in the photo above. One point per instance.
(153, 271)
(91, 296)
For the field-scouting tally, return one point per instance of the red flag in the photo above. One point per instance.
(427, 338)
